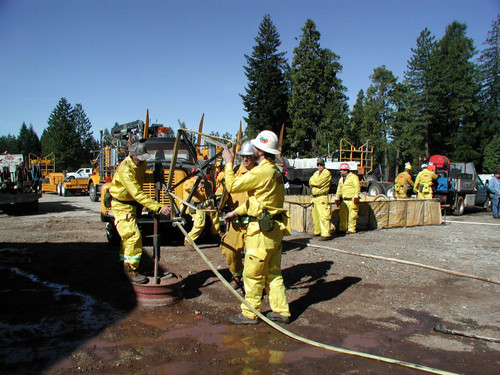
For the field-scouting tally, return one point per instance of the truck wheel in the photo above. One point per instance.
(112, 234)
(375, 189)
(487, 204)
(64, 192)
(58, 189)
(92, 192)
(459, 207)
(390, 192)
(306, 190)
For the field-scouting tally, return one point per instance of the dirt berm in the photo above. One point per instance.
(66, 307)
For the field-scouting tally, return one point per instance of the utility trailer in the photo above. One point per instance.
(51, 179)
(73, 186)
(458, 186)
(19, 186)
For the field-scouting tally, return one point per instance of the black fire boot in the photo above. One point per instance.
(133, 275)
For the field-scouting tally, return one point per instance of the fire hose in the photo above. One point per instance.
(444, 270)
(299, 338)
(443, 329)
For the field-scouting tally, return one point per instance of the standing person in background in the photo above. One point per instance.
(347, 197)
(233, 241)
(321, 214)
(200, 200)
(494, 190)
(127, 199)
(403, 182)
(266, 227)
(219, 178)
(423, 183)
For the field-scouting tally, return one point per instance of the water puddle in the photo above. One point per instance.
(60, 312)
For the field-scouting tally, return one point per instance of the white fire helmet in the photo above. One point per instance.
(267, 141)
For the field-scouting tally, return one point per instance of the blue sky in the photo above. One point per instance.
(180, 59)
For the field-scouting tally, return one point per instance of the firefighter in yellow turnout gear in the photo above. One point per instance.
(321, 214)
(262, 269)
(423, 183)
(200, 200)
(402, 182)
(233, 241)
(347, 197)
(127, 199)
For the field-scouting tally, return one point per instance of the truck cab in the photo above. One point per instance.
(81, 173)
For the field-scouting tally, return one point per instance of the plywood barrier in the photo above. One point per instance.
(374, 212)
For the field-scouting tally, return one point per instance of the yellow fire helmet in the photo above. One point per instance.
(408, 166)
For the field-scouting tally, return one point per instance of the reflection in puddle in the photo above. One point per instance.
(53, 330)
(178, 368)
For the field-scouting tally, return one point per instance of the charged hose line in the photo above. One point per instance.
(444, 270)
(470, 222)
(302, 339)
(190, 205)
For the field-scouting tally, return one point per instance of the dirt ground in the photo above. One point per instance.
(66, 307)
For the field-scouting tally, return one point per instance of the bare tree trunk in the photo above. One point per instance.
(396, 170)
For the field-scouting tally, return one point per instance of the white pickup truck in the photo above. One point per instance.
(81, 173)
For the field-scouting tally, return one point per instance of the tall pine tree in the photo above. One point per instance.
(317, 106)
(357, 115)
(418, 98)
(454, 97)
(266, 96)
(380, 114)
(9, 144)
(84, 132)
(28, 141)
(490, 85)
(61, 137)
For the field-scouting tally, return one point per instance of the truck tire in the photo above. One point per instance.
(112, 234)
(390, 192)
(64, 192)
(306, 190)
(375, 189)
(487, 204)
(459, 207)
(93, 192)
(58, 189)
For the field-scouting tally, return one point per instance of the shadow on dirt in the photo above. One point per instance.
(56, 298)
(193, 283)
(41, 209)
(311, 276)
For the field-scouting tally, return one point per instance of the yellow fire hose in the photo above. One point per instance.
(302, 339)
(444, 270)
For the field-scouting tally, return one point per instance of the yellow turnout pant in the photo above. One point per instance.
(400, 191)
(348, 216)
(263, 271)
(424, 191)
(131, 239)
(232, 245)
(321, 215)
(199, 221)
